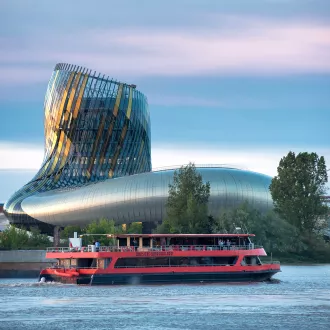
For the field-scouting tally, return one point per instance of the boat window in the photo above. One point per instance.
(141, 262)
(86, 262)
(103, 263)
(107, 262)
(251, 261)
(65, 263)
(175, 262)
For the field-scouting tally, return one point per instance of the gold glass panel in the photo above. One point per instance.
(129, 107)
(80, 95)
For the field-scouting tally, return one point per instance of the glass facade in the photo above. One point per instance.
(97, 160)
(96, 128)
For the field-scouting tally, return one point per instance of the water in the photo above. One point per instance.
(300, 300)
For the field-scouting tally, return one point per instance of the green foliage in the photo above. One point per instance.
(277, 236)
(13, 238)
(69, 231)
(297, 191)
(38, 240)
(187, 210)
(102, 226)
(271, 231)
(134, 228)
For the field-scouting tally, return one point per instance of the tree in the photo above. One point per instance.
(187, 210)
(68, 231)
(38, 240)
(298, 188)
(134, 228)
(13, 238)
(274, 233)
(102, 226)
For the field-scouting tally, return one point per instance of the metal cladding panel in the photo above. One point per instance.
(92, 124)
(143, 197)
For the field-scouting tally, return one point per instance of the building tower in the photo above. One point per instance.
(95, 129)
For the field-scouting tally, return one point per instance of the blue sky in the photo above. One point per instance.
(228, 82)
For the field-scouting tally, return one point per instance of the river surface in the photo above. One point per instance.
(300, 299)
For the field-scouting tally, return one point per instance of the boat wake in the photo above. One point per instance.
(273, 281)
(29, 284)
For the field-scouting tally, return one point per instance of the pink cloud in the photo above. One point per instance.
(254, 47)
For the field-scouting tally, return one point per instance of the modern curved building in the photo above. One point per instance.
(97, 160)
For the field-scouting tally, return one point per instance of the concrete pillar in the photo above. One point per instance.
(57, 230)
(140, 242)
(128, 241)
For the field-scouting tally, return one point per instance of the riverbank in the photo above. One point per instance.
(23, 263)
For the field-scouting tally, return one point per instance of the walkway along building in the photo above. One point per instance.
(97, 160)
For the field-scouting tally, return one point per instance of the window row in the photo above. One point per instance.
(175, 262)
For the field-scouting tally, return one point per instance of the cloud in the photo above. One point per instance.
(236, 46)
(12, 74)
(255, 159)
(19, 162)
(20, 156)
(12, 180)
(16, 156)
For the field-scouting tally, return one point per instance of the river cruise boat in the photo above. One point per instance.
(161, 258)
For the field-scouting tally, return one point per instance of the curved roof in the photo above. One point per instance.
(143, 197)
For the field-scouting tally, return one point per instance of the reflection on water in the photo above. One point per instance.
(299, 300)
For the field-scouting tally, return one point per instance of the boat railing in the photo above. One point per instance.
(58, 249)
(202, 247)
(92, 248)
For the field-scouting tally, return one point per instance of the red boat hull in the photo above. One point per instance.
(162, 277)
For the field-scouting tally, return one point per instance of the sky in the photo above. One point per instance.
(238, 82)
